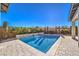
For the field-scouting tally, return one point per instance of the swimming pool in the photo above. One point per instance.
(41, 42)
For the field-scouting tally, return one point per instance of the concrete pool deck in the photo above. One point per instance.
(67, 47)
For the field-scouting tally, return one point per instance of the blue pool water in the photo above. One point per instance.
(40, 42)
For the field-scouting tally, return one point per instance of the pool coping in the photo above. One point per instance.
(50, 52)
(54, 47)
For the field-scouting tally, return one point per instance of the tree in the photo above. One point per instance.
(5, 26)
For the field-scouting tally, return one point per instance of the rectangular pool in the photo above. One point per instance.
(41, 42)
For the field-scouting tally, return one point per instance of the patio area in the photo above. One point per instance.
(67, 47)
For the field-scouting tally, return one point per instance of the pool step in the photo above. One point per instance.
(40, 42)
(37, 40)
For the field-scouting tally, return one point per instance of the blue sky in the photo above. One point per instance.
(37, 14)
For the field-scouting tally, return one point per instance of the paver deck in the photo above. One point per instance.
(67, 47)
(17, 48)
